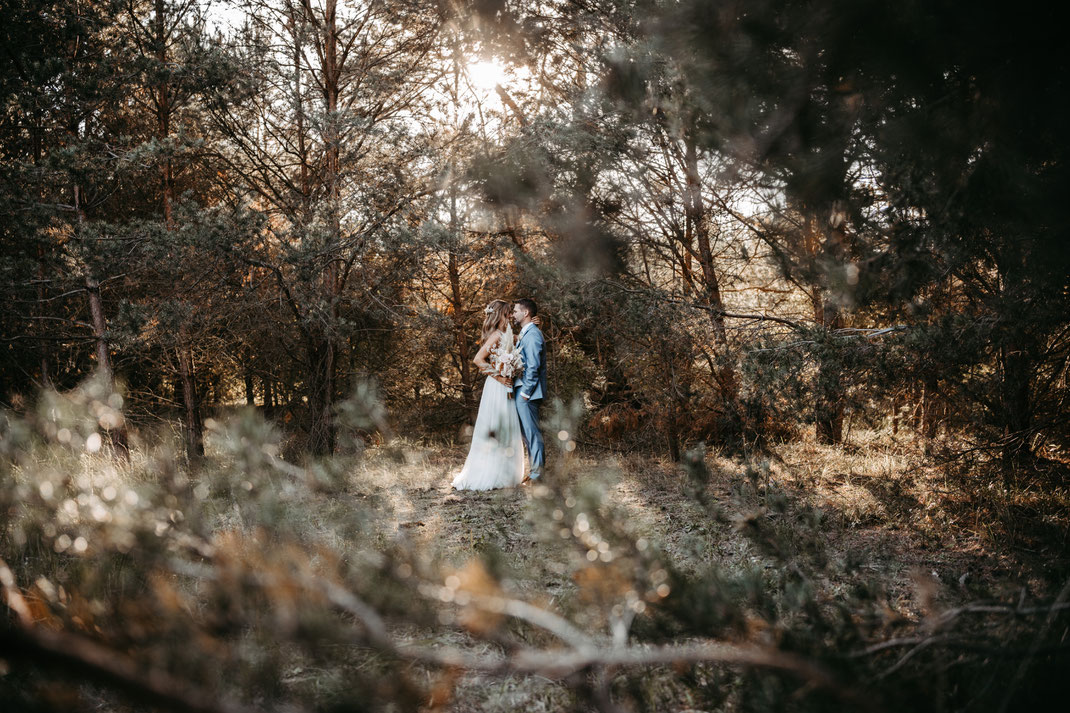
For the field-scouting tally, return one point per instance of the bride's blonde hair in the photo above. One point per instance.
(497, 317)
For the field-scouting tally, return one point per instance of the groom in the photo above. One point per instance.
(530, 387)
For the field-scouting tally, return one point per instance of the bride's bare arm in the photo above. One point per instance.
(484, 352)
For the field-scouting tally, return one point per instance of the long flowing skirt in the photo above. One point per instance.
(496, 456)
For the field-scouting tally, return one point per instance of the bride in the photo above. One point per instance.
(496, 457)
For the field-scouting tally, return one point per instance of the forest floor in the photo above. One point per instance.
(924, 533)
(923, 530)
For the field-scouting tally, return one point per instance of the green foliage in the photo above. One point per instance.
(739, 219)
(302, 596)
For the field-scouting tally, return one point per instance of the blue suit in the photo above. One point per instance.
(530, 388)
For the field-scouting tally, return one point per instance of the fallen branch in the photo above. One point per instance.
(1049, 620)
(99, 664)
(94, 662)
(546, 620)
(583, 652)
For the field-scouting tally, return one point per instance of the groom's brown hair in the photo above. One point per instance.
(529, 305)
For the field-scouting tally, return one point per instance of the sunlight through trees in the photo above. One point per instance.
(803, 272)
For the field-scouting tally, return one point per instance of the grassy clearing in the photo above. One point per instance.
(597, 546)
(880, 497)
(890, 516)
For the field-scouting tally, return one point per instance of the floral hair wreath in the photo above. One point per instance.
(488, 310)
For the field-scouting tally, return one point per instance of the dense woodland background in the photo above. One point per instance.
(751, 227)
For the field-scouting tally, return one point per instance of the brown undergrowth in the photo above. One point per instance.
(913, 528)
(865, 576)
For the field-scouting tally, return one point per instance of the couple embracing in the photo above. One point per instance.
(508, 417)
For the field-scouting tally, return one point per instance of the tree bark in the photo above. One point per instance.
(118, 435)
(460, 335)
(828, 427)
(100, 328)
(1016, 350)
(322, 347)
(193, 429)
(456, 299)
(250, 390)
(42, 253)
(1015, 401)
(298, 24)
(163, 111)
(698, 233)
(46, 379)
(830, 405)
(698, 225)
(100, 331)
(269, 395)
(192, 422)
(321, 434)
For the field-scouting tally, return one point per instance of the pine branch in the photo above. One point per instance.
(90, 661)
(21, 640)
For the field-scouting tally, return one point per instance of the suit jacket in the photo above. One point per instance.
(532, 383)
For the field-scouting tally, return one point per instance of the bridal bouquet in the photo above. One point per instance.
(507, 363)
(505, 359)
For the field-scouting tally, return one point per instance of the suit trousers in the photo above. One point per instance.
(529, 429)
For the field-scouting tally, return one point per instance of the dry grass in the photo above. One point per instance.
(918, 529)
(895, 514)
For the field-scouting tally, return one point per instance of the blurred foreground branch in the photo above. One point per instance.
(72, 653)
(582, 653)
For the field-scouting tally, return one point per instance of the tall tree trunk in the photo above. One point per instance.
(269, 395)
(464, 357)
(698, 230)
(100, 329)
(42, 253)
(46, 379)
(163, 111)
(828, 427)
(321, 425)
(1016, 349)
(322, 347)
(193, 430)
(250, 390)
(825, 240)
(830, 403)
(461, 345)
(118, 435)
(298, 26)
(192, 422)
(698, 225)
(468, 386)
(1015, 402)
(933, 410)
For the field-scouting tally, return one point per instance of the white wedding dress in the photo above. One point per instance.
(496, 457)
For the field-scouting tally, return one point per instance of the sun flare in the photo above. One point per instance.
(485, 75)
